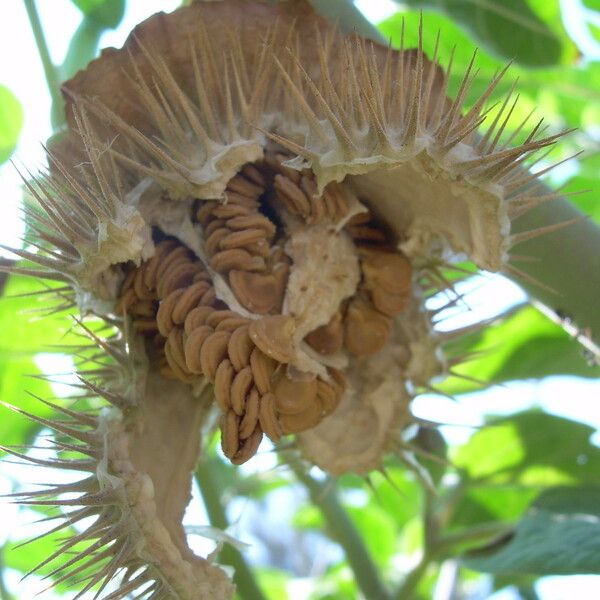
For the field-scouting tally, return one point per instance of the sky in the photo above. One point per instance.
(21, 71)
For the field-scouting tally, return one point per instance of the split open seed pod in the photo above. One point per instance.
(257, 206)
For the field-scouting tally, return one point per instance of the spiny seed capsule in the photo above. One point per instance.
(257, 217)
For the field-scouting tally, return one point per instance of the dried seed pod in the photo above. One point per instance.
(130, 215)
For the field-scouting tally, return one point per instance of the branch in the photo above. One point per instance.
(211, 490)
(324, 496)
(50, 71)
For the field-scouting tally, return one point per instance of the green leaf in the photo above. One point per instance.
(106, 13)
(11, 122)
(588, 179)
(508, 29)
(526, 345)
(559, 534)
(23, 337)
(531, 448)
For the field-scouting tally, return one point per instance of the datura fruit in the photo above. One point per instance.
(256, 207)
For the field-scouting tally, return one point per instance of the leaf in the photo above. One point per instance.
(559, 534)
(526, 345)
(11, 122)
(106, 13)
(531, 448)
(587, 179)
(508, 29)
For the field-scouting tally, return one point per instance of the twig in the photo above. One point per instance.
(211, 491)
(342, 529)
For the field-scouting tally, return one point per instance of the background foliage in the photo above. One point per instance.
(507, 504)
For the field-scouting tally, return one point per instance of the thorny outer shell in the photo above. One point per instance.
(199, 93)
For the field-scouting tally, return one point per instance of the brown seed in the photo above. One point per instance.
(241, 385)
(231, 209)
(175, 341)
(254, 175)
(188, 300)
(239, 239)
(229, 434)
(141, 290)
(328, 338)
(241, 185)
(174, 366)
(250, 418)
(165, 311)
(249, 447)
(240, 348)
(329, 396)
(267, 418)
(223, 378)
(212, 244)
(144, 308)
(260, 248)
(193, 347)
(219, 315)
(310, 417)
(366, 233)
(213, 226)
(366, 330)
(257, 292)
(292, 196)
(145, 326)
(387, 303)
(204, 213)
(294, 396)
(177, 255)
(181, 276)
(390, 271)
(273, 335)
(151, 267)
(232, 323)
(255, 221)
(236, 258)
(209, 297)
(197, 317)
(262, 370)
(213, 351)
(235, 199)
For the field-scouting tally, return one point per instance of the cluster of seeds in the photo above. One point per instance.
(191, 333)
(172, 301)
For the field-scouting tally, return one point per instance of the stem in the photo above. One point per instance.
(324, 496)
(52, 79)
(211, 490)
(409, 585)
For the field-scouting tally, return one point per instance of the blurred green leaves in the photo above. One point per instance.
(98, 16)
(559, 534)
(11, 122)
(509, 29)
(526, 345)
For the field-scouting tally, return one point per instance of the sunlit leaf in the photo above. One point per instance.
(11, 122)
(531, 448)
(526, 345)
(559, 534)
